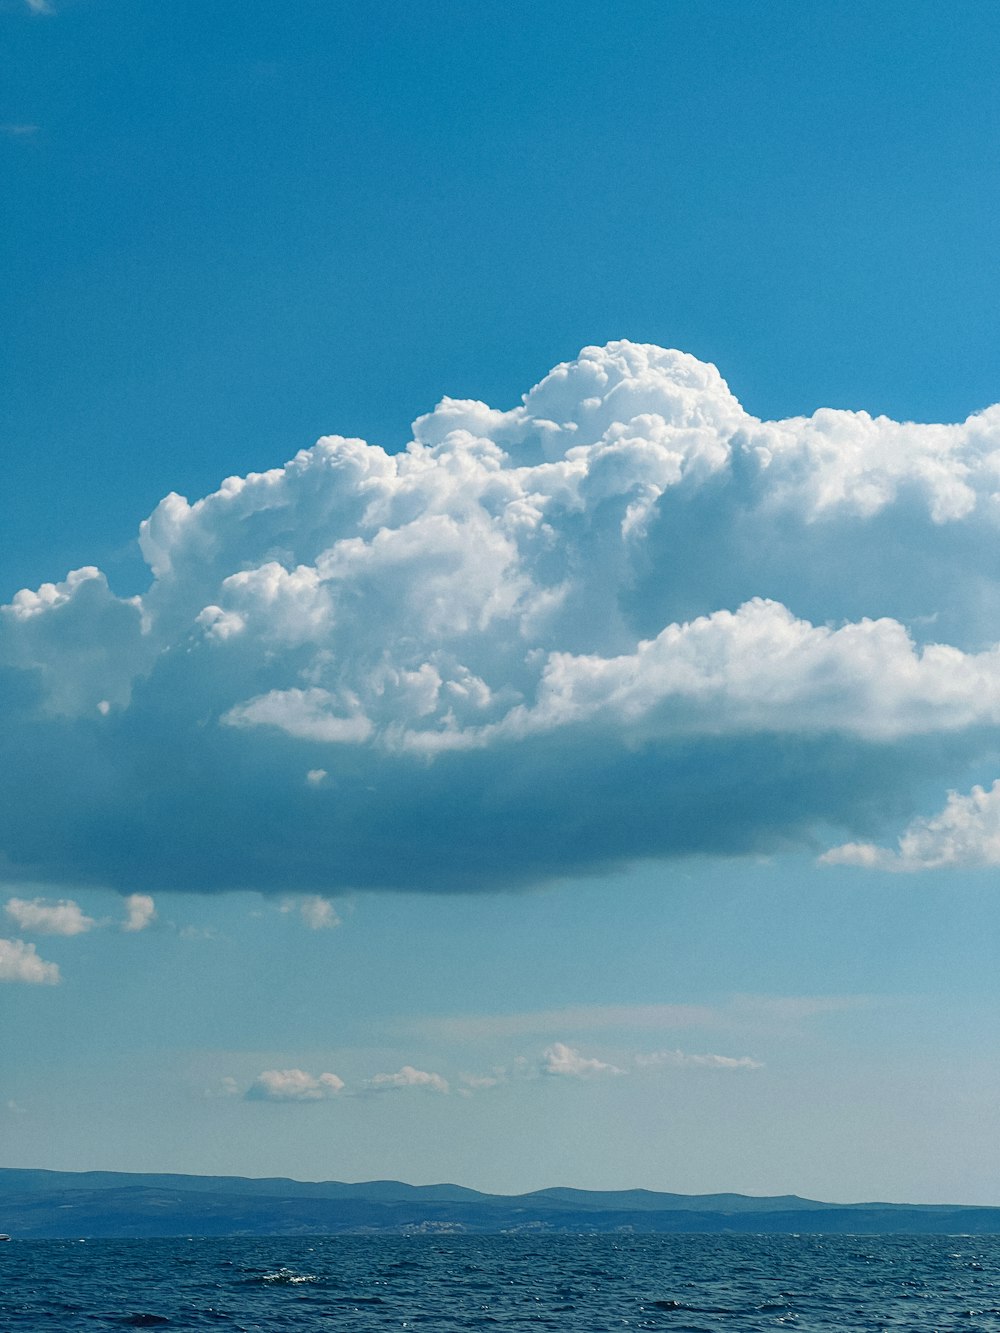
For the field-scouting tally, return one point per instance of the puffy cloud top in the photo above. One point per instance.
(20, 962)
(293, 1085)
(408, 1077)
(622, 619)
(965, 834)
(38, 916)
(567, 1062)
(140, 912)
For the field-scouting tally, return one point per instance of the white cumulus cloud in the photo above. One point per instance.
(20, 962)
(140, 911)
(965, 834)
(38, 916)
(408, 1077)
(560, 1059)
(293, 1085)
(625, 618)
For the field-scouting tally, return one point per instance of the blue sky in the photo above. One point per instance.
(587, 780)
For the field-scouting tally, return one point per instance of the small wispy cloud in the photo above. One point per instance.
(198, 933)
(793, 1008)
(480, 1082)
(573, 1018)
(290, 1085)
(681, 1059)
(20, 962)
(140, 912)
(737, 1011)
(12, 129)
(39, 916)
(408, 1077)
(39, 6)
(317, 913)
(222, 1087)
(562, 1060)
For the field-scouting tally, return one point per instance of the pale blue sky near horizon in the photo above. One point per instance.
(231, 235)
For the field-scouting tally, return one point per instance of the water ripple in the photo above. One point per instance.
(581, 1284)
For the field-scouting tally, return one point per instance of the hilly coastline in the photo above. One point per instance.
(60, 1204)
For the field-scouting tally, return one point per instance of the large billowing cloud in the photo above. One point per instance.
(625, 619)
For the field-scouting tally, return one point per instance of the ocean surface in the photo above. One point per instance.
(450, 1283)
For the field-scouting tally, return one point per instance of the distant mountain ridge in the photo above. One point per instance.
(41, 1203)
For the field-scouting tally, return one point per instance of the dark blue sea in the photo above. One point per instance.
(698, 1284)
